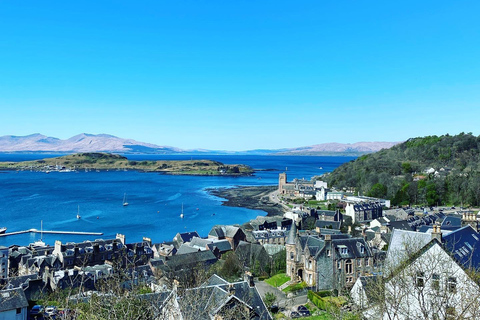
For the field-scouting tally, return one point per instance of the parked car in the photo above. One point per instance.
(51, 312)
(295, 314)
(37, 311)
(303, 311)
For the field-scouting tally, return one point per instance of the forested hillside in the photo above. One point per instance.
(431, 170)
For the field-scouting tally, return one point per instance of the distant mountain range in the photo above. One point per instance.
(107, 143)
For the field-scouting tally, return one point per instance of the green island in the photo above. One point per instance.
(107, 161)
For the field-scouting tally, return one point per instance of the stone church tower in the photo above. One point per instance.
(282, 180)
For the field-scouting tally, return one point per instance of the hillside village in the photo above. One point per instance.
(332, 254)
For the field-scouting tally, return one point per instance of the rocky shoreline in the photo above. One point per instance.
(249, 197)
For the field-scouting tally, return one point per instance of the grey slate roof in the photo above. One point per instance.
(12, 299)
(222, 246)
(188, 260)
(354, 248)
(404, 244)
(216, 293)
(187, 249)
(328, 224)
(400, 225)
(20, 281)
(292, 234)
(464, 244)
(221, 232)
(451, 223)
(187, 236)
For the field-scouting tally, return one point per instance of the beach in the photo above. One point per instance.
(249, 197)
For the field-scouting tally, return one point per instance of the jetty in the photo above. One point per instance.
(80, 233)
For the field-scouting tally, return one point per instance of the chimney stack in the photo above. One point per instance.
(436, 232)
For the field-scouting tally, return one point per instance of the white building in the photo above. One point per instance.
(431, 285)
(421, 281)
(358, 199)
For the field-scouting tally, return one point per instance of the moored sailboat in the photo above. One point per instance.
(125, 203)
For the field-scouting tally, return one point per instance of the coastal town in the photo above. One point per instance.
(331, 254)
(239, 160)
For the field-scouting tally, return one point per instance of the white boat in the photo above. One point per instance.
(2, 230)
(181, 214)
(125, 203)
(40, 242)
(78, 212)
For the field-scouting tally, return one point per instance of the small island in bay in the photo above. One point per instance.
(108, 161)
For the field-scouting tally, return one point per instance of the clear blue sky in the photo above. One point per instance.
(239, 75)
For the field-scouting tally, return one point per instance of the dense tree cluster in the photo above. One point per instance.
(401, 172)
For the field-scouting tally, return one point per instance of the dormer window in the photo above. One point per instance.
(343, 249)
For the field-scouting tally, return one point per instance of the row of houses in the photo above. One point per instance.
(31, 271)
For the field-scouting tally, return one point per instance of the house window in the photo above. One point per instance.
(436, 282)
(367, 262)
(291, 255)
(339, 264)
(452, 284)
(359, 262)
(19, 310)
(328, 253)
(348, 266)
(420, 280)
(362, 249)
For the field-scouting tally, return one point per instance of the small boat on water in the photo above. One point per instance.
(39, 243)
(125, 203)
(78, 212)
(2, 230)
(181, 214)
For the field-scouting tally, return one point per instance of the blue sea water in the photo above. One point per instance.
(155, 200)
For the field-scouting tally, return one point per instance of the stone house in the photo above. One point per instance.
(270, 236)
(329, 261)
(232, 233)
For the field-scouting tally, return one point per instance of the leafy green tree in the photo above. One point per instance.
(269, 299)
(378, 190)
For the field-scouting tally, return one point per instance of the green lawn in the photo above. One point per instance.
(277, 280)
(295, 287)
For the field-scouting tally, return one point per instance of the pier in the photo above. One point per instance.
(79, 233)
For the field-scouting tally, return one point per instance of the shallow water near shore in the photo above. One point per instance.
(155, 200)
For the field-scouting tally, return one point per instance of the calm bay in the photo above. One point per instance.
(155, 200)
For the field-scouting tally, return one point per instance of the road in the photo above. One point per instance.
(282, 300)
(273, 196)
